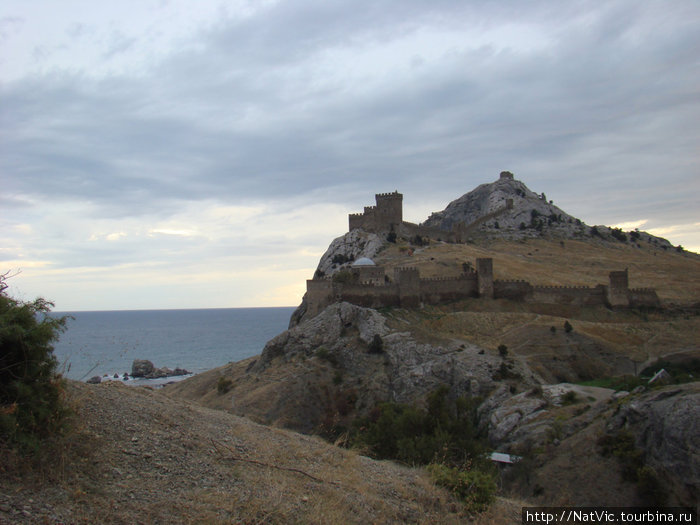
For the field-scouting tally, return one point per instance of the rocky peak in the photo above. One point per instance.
(486, 209)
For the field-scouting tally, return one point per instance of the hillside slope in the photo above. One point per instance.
(138, 456)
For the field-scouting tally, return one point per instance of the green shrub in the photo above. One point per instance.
(323, 353)
(650, 488)
(223, 385)
(377, 345)
(345, 277)
(476, 488)
(502, 350)
(622, 446)
(567, 327)
(32, 406)
(444, 431)
(569, 398)
(618, 234)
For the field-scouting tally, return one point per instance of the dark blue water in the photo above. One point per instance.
(98, 343)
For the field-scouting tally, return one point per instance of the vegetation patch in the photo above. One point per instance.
(223, 385)
(476, 488)
(32, 407)
(679, 372)
(442, 434)
(621, 445)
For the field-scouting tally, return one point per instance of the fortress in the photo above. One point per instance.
(369, 285)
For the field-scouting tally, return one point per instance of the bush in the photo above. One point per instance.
(477, 489)
(345, 277)
(444, 431)
(502, 350)
(567, 327)
(377, 345)
(650, 488)
(569, 398)
(32, 406)
(223, 385)
(618, 234)
(323, 353)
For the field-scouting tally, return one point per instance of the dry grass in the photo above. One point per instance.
(676, 276)
(147, 458)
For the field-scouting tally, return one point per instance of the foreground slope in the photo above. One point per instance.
(138, 456)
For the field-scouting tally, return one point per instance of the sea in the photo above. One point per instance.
(106, 343)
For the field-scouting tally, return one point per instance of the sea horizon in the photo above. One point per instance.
(106, 342)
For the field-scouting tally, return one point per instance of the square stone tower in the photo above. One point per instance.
(484, 277)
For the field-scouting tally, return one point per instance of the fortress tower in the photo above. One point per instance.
(484, 270)
(386, 216)
(618, 289)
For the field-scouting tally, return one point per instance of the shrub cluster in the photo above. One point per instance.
(223, 385)
(622, 446)
(443, 435)
(32, 407)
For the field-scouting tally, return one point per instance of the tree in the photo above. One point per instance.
(503, 350)
(31, 390)
(567, 327)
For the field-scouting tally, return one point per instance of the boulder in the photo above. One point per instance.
(95, 380)
(141, 368)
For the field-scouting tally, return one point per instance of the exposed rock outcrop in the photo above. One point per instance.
(325, 368)
(484, 210)
(666, 425)
(143, 368)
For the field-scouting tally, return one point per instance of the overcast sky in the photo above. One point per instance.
(180, 154)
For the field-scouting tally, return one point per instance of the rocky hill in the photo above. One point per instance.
(486, 212)
(524, 362)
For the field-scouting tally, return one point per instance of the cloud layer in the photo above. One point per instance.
(211, 154)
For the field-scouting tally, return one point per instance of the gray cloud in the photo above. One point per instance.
(599, 109)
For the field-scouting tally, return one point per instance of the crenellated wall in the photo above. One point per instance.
(371, 288)
(574, 295)
(513, 290)
(643, 297)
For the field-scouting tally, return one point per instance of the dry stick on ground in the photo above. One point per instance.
(234, 457)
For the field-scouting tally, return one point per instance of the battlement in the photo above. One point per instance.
(387, 196)
(447, 279)
(544, 288)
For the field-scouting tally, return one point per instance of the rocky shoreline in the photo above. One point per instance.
(142, 369)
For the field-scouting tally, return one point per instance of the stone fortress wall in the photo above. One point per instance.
(370, 286)
(408, 290)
